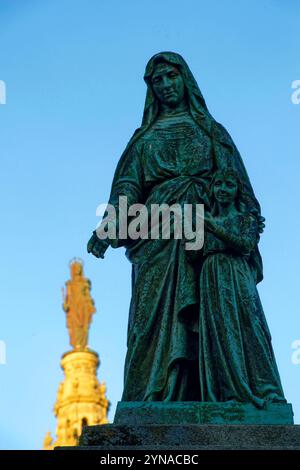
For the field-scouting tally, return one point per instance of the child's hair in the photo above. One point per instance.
(239, 199)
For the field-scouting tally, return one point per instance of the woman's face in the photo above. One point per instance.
(225, 189)
(168, 85)
(76, 270)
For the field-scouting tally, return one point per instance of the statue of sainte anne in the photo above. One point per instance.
(196, 328)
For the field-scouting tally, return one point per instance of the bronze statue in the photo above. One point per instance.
(173, 158)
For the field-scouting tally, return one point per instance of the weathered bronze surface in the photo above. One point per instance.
(197, 330)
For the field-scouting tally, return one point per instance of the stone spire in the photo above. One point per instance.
(81, 399)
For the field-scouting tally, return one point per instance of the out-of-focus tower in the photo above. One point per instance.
(81, 399)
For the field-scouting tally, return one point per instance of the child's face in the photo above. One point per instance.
(225, 189)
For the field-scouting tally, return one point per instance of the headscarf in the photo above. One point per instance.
(197, 105)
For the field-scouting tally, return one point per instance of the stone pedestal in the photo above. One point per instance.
(195, 426)
(187, 437)
(172, 412)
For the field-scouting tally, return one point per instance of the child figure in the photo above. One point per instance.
(236, 358)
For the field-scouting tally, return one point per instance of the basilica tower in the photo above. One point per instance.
(81, 399)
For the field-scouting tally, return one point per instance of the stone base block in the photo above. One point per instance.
(195, 426)
(142, 413)
(190, 437)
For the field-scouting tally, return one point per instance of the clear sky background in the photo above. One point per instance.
(75, 93)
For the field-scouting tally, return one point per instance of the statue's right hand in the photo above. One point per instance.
(96, 246)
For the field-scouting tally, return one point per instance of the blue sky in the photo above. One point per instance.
(73, 71)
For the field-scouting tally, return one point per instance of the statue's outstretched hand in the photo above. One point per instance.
(96, 246)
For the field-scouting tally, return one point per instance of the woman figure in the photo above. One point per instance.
(79, 306)
(170, 159)
(236, 359)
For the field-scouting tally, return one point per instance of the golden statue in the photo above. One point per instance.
(78, 305)
(81, 398)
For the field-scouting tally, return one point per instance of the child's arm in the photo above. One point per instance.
(244, 242)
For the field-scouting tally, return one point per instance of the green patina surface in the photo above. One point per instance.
(147, 413)
(196, 331)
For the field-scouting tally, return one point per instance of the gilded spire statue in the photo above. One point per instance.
(81, 399)
(79, 306)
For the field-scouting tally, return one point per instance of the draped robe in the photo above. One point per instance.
(171, 160)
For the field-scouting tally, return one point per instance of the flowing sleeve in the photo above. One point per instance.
(128, 182)
(243, 237)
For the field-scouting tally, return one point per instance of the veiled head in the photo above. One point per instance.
(167, 84)
(187, 86)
